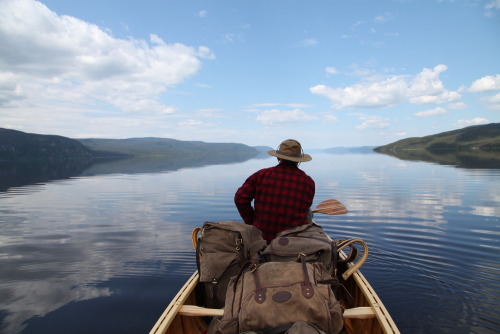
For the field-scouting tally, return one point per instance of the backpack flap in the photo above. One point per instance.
(307, 240)
(291, 247)
(214, 265)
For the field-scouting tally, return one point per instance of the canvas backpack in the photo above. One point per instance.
(266, 296)
(221, 250)
(309, 240)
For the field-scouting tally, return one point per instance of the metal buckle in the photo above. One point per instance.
(239, 242)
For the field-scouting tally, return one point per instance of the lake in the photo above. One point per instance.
(102, 248)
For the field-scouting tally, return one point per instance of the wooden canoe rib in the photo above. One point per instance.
(369, 316)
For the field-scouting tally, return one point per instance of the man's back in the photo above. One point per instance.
(282, 198)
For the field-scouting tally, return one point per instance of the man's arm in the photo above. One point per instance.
(243, 200)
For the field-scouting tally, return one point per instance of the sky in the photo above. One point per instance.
(327, 73)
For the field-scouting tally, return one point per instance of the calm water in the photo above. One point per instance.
(105, 250)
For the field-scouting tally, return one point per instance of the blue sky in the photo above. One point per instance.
(328, 73)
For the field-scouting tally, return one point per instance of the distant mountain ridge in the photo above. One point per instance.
(471, 147)
(165, 146)
(477, 137)
(18, 145)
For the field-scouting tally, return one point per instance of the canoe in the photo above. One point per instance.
(368, 315)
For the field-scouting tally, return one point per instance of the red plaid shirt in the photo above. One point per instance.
(282, 198)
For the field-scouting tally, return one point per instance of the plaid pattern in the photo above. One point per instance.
(282, 198)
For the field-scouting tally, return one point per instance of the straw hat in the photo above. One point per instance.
(290, 150)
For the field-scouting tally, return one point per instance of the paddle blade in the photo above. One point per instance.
(330, 207)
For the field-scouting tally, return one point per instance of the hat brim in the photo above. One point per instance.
(303, 158)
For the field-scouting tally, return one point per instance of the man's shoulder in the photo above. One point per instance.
(264, 171)
(306, 176)
(261, 172)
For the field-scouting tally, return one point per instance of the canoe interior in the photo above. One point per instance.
(183, 324)
(379, 320)
(364, 295)
(171, 322)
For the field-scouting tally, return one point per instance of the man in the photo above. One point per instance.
(282, 194)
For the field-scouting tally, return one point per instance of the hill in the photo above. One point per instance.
(479, 137)
(165, 146)
(17, 145)
(471, 147)
(20, 146)
(263, 149)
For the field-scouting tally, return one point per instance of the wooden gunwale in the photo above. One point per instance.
(385, 320)
(175, 305)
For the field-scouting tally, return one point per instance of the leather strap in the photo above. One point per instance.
(260, 292)
(307, 289)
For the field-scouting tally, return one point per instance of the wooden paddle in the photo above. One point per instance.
(331, 207)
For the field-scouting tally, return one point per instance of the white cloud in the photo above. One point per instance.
(385, 17)
(191, 123)
(358, 71)
(169, 110)
(431, 112)
(474, 121)
(329, 118)
(229, 37)
(491, 6)
(331, 70)
(308, 42)
(258, 106)
(10, 90)
(356, 24)
(373, 122)
(58, 60)
(298, 105)
(444, 97)
(277, 116)
(202, 13)
(457, 106)
(389, 91)
(209, 113)
(202, 85)
(493, 102)
(486, 84)
(209, 110)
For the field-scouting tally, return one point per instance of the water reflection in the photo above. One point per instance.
(158, 164)
(17, 174)
(50, 271)
(430, 230)
(105, 252)
(463, 159)
(66, 243)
